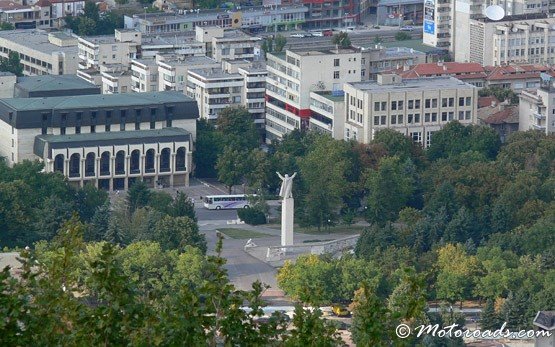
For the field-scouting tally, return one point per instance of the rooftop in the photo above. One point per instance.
(411, 84)
(96, 100)
(545, 320)
(498, 114)
(328, 95)
(172, 58)
(36, 40)
(414, 44)
(306, 53)
(517, 17)
(53, 82)
(214, 73)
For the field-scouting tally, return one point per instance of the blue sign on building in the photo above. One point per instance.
(429, 27)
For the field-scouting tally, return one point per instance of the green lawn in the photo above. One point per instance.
(241, 233)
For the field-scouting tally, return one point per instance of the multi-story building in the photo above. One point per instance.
(41, 53)
(292, 75)
(254, 92)
(173, 68)
(144, 75)
(525, 39)
(51, 85)
(416, 108)
(399, 12)
(116, 79)
(270, 18)
(377, 59)
(330, 13)
(119, 48)
(515, 77)
(328, 113)
(106, 140)
(23, 16)
(226, 44)
(62, 8)
(214, 89)
(537, 107)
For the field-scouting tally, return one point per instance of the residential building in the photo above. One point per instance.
(328, 113)
(214, 89)
(501, 117)
(144, 75)
(23, 16)
(62, 8)
(537, 107)
(173, 70)
(51, 85)
(226, 44)
(528, 39)
(254, 92)
(433, 54)
(288, 90)
(119, 48)
(116, 79)
(377, 59)
(416, 107)
(41, 53)
(515, 77)
(399, 12)
(107, 140)
(330, 13)
(254, 18)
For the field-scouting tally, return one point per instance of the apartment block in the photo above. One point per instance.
(119, 48)
(41, 53)
(116, 79)
(26, 16)
(225, 44)
(416, 108)
(377, 59)
(254, 92)
(144, 75)
(292, 75)
(514, 39)
(173, 70)
(328, 113)
(537, 107)
(110, 141)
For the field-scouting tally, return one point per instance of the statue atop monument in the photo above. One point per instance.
(286, 185)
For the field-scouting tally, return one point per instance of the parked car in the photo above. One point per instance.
(297, 35)
(407, 28)
(327, 32)
(317, 33)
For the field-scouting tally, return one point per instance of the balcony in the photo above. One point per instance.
(538, 115)
(538, 127)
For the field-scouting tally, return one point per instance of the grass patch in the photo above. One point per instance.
(242, 233)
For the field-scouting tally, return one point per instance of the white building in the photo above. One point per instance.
(106, 140)
(119, 48)
(328, 113)
(514, 39)
(226, 44)
(116, 79)
(293, 75)
(377, 59)
(416, 108)
(254, 92)
(144, 75)
(537, 107)
(173, 69)
(41, 53)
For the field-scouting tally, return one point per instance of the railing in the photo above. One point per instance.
(276, 253)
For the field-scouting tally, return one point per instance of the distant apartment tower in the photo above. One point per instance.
(226, 44)
(537, 107)
(173, 70)
(416, 108)
(292, 75)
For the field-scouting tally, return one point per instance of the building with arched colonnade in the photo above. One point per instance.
(110, 141)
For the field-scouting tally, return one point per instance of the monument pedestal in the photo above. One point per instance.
(287, 213)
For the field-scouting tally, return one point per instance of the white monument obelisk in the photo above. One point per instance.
(287, 209)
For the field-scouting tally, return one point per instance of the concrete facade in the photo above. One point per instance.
(537, 107)
(416, 108)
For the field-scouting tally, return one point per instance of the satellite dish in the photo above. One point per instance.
(494, 12)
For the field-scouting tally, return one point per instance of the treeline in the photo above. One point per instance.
(475, 218)
(34, 205)
(92, 22)
(72, 293)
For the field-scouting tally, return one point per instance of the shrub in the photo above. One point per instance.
(252, 216)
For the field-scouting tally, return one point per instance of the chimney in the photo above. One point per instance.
(406, 67)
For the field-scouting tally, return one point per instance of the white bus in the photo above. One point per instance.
(218, 202)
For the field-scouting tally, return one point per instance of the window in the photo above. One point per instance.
(444, 116)
(78, 130)
(394, 119)
(427, 103)
(461, 101)
(400, 105)
(137, 126)
(434, 117)
(467, 115)
(416, 136)
(376, 106)
(434, 103)
(376, 120)
(426, 117)
(93, 129)
(394, 105)
(336, 75)
(444, 102)
(410, 118)
(384, 105)
(336, 62)
(417, 117)
(461, 114)
(450, 116)
(417, 104)
(152, 125)
(383, 120)
(62, 130)
(400, 119)
(411, 104)
(451, 102)
(468, 101)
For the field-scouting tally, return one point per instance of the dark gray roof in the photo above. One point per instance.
(112, 138)
(95, 100)
(545, 320)
(53, 82)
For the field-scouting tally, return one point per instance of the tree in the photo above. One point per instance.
(390, 188)
(177, 233)
(86, 26)
(6, 26)
(182, 206)
(208, 147)
(12, 64)
(231, 167)
(342, 40)
(311, 330)
(100, 222)
(377, 40)
(88, 200)
(138, 196)
(323, 198)
(402, 36)
(279, 43)
(91, 11)
(489, 320)
(237, 128)
(395, 143)
(456, 270)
